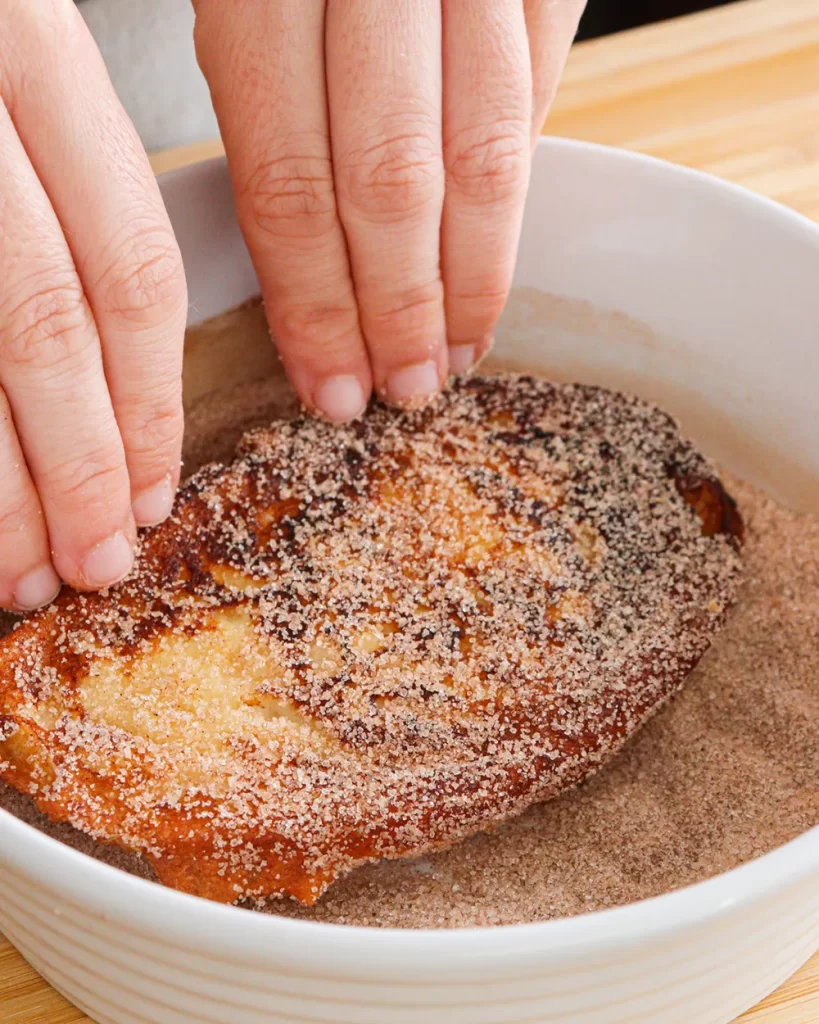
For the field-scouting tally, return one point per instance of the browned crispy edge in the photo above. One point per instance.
(191, 867)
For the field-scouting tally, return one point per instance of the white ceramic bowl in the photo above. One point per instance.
(716, 294)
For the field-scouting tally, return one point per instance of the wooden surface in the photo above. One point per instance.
(733, 91)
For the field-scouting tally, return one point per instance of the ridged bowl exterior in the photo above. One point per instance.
(127, 952)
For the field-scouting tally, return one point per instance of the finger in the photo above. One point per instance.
(98, 179)
(551, 26)
(487, 124)
(265, 66)
(384, 85)
(27, 577)
(51, 370)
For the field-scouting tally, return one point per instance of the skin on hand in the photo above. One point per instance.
(92, 314)
(380, 156)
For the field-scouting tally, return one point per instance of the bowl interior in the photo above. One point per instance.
(632, 273)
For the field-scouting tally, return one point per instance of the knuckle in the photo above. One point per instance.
(319, 328)
(158, 432)
(145, 284)
(481, 306)
(410, 314)
(87, 482)
(393, 178)
(19, 518)
(491, 165)
(47, 328)
(290, 197)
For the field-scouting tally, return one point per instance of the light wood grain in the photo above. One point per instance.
(733, 91)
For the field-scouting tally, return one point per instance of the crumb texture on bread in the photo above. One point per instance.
(372, 641)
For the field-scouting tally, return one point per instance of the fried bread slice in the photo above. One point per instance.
(372, 641)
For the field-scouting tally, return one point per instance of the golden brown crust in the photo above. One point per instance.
(373, 641)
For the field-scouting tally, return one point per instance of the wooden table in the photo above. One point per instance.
(733, 91)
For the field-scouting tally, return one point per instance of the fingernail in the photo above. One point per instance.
(108, 562)
(341, 398)
(414, 385)
(153, 505)
(36, 588)
(484, 347)
(461, 358)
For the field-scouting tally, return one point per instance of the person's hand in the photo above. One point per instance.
(380, 153)
(92, 316)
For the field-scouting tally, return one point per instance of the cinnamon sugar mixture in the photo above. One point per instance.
(727, 771)
(373, 641)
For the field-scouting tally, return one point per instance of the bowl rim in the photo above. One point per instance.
(346, 952)
(735, 195)
(97, 888)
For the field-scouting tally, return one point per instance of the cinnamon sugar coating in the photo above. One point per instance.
(372, 641)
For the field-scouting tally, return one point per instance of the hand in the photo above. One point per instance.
(380, 154)
(92, 316)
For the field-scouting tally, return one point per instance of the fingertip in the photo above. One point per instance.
(36, 588)
(107, 562)
(484, 347)
(341, 398)
(153, 505)
(465, 356)
(461, 358)
(413, 386)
